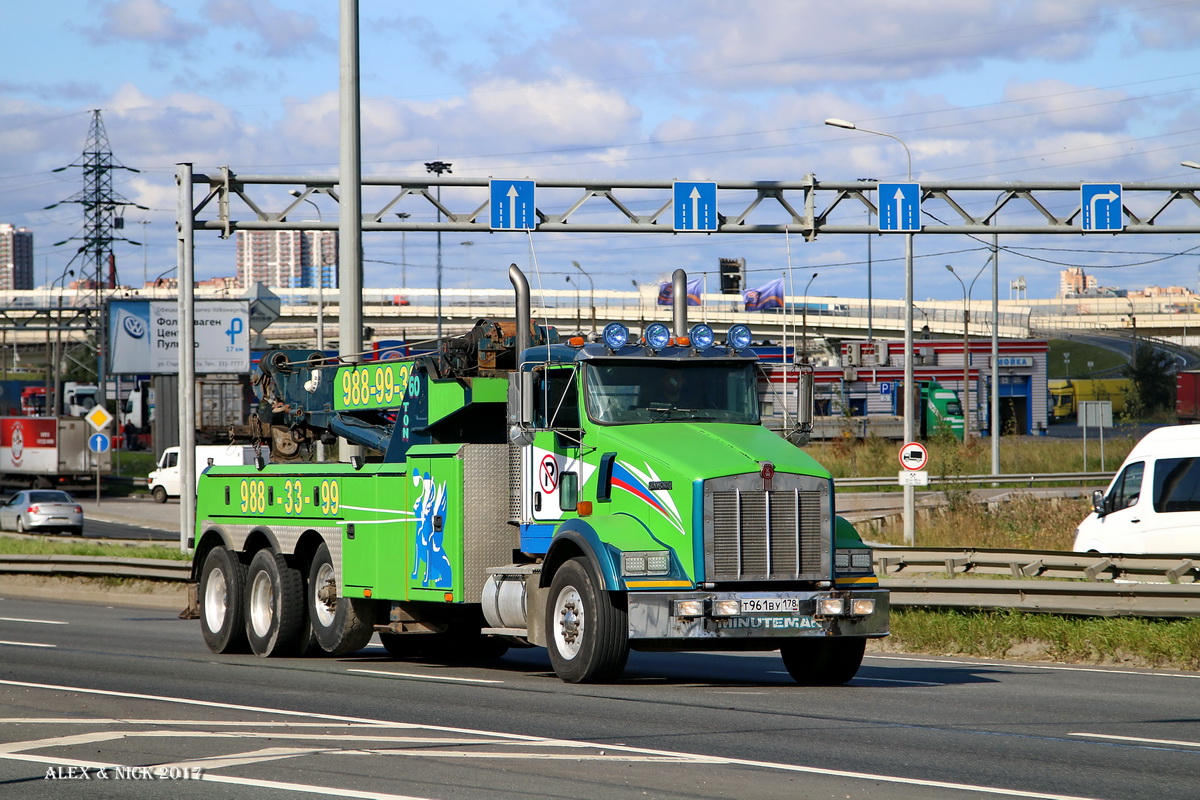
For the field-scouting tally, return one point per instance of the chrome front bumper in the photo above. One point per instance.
(652, 615)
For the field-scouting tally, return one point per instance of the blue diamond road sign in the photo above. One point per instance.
(695, 204)
(1100, 207)
(512, 205)
(98, 443)
(900, 207)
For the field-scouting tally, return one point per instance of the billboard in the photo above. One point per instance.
(143, 336)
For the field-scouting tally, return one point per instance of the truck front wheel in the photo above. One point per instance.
(160, 494)
(274, 605)
(823, 662)
(222, 586)
(340, 624)
(588, 632)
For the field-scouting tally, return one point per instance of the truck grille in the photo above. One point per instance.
(754, 534)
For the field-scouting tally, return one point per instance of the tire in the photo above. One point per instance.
(222, 591)
(274, 606)
(160, 494)
(20, 525)
(347, 625)
(587, 633)
(823, 662)
(75, 531)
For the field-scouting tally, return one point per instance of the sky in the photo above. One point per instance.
(979, 90)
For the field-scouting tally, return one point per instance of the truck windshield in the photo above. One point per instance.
(645, 390)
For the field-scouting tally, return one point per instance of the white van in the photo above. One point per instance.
(164, 481)
(1153, 503)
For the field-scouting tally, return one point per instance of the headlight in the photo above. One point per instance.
(656, 335)
(615, 335)
(830, 606)
(702, 336)
(688, 608)
(862, 607)
(726, 608)
(652, 562)
(853, 560)
(738, 337)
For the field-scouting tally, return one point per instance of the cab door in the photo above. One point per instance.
(1128, 513)
(551, 464)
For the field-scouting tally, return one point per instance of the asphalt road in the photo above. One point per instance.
(100, 688)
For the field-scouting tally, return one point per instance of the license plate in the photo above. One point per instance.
(770, 605)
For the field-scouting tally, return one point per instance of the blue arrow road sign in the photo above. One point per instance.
(98, 443)
(512, 205)
(695, 204)
(1100, 207)
(900, 207)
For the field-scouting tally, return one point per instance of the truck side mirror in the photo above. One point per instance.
(804, 399)
(520, 403)
(1098, 502)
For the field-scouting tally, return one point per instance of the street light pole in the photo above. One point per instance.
(804, 323)
(438, 167)
(403, 215)
(320, 276)
(967, 345)
(591, 292)
(910, 394)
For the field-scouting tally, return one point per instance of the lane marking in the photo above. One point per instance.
(27, 644)
(185, 722)
(255, 782)
(1028, 665)
(420, 676)
(523, 738)
(34, 621)
(1138, 740)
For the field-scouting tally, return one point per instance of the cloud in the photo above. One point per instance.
(281, 32)
(149, 21)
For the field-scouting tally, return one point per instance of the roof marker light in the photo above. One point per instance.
(738, 337)
(657, 335)
(615, 335)
(702, 336)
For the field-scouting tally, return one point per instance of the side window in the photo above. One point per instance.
(1128, 486)
(568, 491)
(557, 402)
(1177, 485)
(172, 460)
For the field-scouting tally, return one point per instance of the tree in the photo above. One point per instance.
(1153, 376)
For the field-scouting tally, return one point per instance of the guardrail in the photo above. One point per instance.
(1041, 581)
(1045, 581)
(1006, 479)
(154, 569)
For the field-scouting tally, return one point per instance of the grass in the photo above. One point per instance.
(1080, 354)
(46, 546)
(1169, 644)
(1023, 455)
(1023, 523)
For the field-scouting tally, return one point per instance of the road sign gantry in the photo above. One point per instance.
(807, 207)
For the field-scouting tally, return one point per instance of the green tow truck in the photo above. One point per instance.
(590, 497)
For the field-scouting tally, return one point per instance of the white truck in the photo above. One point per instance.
(46, 452)
(164, 481)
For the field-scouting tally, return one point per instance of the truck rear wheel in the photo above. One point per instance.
(340, 624)
(160, 494)
(274, 605)
(222, 588)
(823, 662)
(588, 635)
